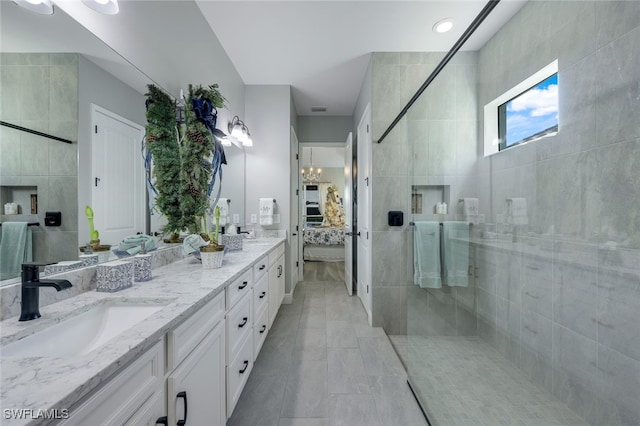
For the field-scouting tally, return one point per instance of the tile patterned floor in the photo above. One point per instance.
(322, 364)
(465, 381)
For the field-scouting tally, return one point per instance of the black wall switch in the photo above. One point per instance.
(53, 219)
(395, 218)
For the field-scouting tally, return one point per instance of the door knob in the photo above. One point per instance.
(348, 234)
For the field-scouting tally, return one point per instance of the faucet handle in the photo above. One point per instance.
(32, 265)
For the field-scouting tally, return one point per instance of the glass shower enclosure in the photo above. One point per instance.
(522, 273)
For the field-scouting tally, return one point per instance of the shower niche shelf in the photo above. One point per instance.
(424, 199)
(25, 196)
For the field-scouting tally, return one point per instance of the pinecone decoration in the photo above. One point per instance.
(196, 137)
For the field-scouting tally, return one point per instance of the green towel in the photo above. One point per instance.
(15, 248)
(192, 243)
(426, 255)
(133, 243)
(456, 253)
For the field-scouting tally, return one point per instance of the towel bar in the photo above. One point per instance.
(30, 224)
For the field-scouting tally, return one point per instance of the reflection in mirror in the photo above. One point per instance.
(56, 78)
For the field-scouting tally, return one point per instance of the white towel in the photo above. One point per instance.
(468, 210)
(223, 203)
(266, 211)
(517, 211)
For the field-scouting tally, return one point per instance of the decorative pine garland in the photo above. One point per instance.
(162, 143)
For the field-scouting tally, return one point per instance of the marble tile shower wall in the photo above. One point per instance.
(561, 299)
(435, 144)
(40, 92)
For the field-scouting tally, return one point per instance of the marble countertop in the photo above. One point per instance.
(42, 383)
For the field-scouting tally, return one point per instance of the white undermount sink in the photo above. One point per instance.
(84, 332)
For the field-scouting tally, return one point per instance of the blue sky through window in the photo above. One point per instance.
(533, 112)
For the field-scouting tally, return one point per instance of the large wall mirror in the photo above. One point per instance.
(57, 78)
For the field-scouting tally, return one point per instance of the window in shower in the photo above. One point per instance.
(525, 112)
(531, 115)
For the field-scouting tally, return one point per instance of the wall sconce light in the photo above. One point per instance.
(240, 131)
(44, 7)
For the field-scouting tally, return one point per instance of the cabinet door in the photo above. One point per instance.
(273, 293)
(280, 276)
(196, 389)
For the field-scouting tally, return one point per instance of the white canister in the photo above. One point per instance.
(11, 208)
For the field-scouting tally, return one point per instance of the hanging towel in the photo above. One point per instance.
(426, 255)
(15, 248)
(468, 210)
(132, 244)
(223, 203)
(455, 250)
(266, 211)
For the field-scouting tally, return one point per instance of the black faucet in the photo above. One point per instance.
(31, 290)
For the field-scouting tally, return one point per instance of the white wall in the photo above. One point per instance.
(268, 161)
(323, 156)
(323, 128)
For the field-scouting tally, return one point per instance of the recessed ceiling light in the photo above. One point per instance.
(39, 6)
(108, 7)
(443, 25)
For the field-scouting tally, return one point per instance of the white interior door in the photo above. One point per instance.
(117, 197)
(348, 227)
(296, 233)
(364, 233)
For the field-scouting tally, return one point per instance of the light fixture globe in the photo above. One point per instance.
(443, 25)
(108, 7)
(44, 7)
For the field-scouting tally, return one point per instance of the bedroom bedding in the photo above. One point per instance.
(323, 244)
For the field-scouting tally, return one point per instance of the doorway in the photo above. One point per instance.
(323, 195)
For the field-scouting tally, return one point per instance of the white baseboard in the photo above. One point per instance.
(288, 299)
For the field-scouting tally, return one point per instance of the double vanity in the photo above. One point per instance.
(176, 350)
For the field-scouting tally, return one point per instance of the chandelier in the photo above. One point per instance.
(310, 174)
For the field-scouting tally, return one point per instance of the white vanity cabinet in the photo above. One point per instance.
(196, 373)
(239, 328)
(276, 281)
(124, 395)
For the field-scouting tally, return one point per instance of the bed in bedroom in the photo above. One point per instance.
(323, 244)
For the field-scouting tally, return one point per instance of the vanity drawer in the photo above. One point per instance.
(275, 254)
(260, 330)
(260, 268)
(239, 288)
(125, 394)
(239, 323)
(184, 338)
(260, 294)
(238, 373)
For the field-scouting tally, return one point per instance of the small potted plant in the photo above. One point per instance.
(212, 253)
(94, 246)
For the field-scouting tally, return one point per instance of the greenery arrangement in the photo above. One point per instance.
(186, 160)
(198, 146)
(162, 144)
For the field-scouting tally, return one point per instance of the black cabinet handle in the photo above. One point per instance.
(243, 323)
(264, 327)
(162, 420)
(262, 267)
(263, 294)
(244, 284)
(183, 422)
(246, 365)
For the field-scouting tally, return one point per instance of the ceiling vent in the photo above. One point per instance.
(319, 109)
